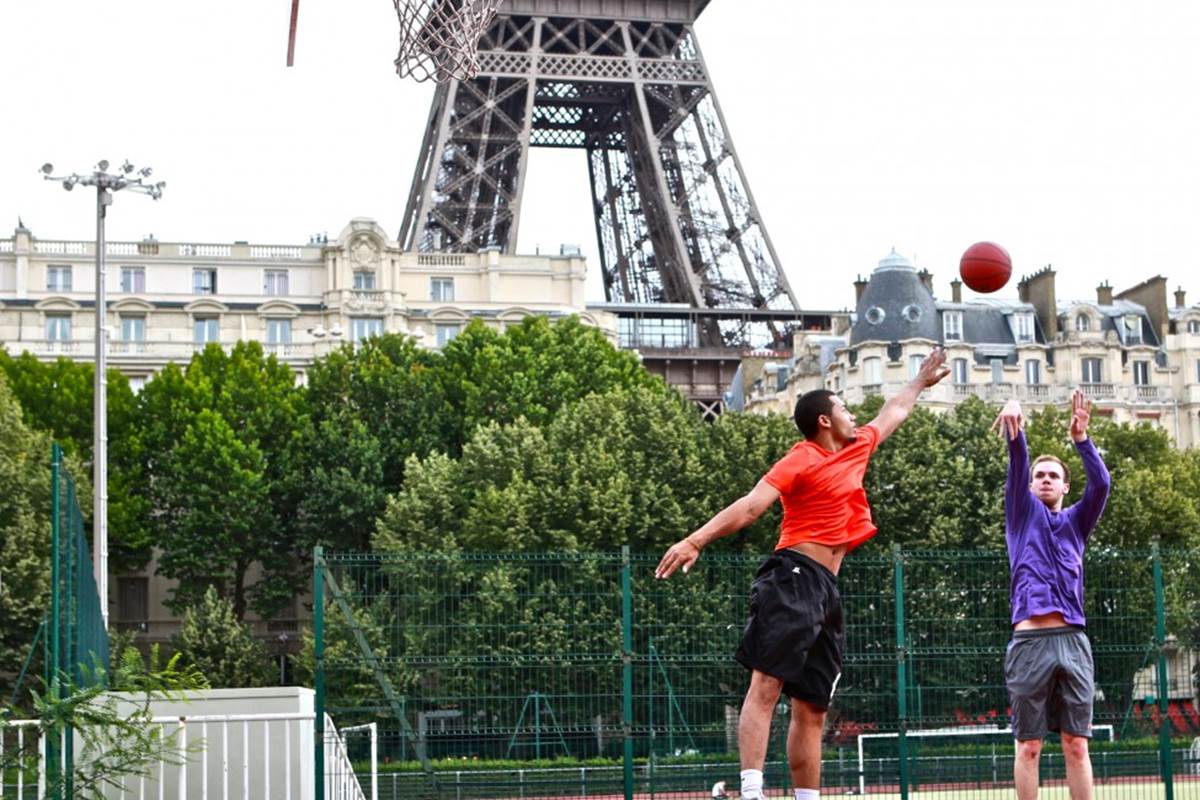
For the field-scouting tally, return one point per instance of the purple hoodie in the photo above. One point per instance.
(1045, 548)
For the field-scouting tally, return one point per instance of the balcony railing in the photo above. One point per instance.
(1099, 391)
(158, 350)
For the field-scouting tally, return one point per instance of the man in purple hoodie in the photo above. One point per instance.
(1048, 668)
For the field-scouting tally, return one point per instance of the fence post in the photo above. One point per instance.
(1164, 687)
(901, 673)
(319, 673)
(54, 639)
(627, 668)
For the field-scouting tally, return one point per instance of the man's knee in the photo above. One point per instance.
(1029, 749)
(1075, 748)
(764, 690)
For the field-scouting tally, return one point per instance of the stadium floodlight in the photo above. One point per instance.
(106, 185)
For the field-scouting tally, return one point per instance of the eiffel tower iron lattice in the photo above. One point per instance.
(675, 219)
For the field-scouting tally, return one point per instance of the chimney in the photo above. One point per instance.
(1104, 294)
(1038, 290)
(956, 291)
(1180, 302)
(1152, 294)
(927, 279)
(860, 286)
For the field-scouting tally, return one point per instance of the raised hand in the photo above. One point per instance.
(1081, 415)
(933, 368)
(1010, 421)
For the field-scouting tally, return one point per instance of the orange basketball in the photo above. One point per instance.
(985, 267)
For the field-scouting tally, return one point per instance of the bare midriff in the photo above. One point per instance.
(825, 555)
(1052, 620)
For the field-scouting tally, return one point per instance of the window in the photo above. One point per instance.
(960, 370)
(1091, 370)
(445, 332)
(207, 329)
(912, 313)
(365, 327)
(58, 327)
(58, 279)
(1023, 327)
(441, 289)
(133, 607)
(279, 331)
(133, 328)
(364, 279)
(1082, 323)
(1198, 370)
(275, 282)
(204, 281)
(914, 365)
(997, 369)
(1033, 372)
(1133, 329)
(133, 280)
(1194, 326)
(1141, 373)
(872, 370)
(875, 315)
(952, 325)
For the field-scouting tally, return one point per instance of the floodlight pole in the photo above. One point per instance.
(105, 184)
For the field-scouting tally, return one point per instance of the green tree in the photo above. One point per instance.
(24, 534)
(57, 397)
(217, 442)
(532, 370)
(216, 643)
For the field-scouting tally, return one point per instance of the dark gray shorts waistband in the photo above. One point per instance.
(1032, 633)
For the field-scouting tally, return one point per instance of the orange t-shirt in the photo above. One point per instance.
(822, 492)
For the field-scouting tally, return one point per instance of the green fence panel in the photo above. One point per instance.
(580, 675)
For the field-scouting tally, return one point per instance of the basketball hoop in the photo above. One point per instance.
(439, 39)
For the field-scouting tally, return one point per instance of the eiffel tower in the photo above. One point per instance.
(624, 80)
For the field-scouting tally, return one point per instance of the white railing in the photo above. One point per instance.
(21, 768)
(225, 756)
(372, 730)
(51, 247)
(280, 252)
(6, 245)
(121, 248)
(441, 260)
(206, 250)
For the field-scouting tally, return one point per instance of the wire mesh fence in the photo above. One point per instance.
(579, 675)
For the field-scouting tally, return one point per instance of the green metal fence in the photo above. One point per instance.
(76, 640)
(580, 675)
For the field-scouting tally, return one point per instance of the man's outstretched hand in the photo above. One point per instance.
(1081, 415)
(682, 554)
(1010, 421)
(933, 368)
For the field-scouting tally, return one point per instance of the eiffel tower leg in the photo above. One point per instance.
(413, 233)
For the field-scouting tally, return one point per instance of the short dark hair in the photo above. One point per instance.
(1055, 459)
(810, 406)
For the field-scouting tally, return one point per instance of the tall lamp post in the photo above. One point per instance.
(106, 183)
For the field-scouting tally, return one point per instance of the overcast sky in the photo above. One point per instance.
(1066, 130)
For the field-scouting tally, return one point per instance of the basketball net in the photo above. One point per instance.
(439, 39)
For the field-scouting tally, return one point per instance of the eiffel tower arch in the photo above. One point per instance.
(624, 80)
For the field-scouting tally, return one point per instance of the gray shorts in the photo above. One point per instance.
(1050, 681)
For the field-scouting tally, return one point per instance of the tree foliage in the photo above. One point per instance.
(218, 645)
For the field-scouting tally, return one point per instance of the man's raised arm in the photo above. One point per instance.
(1011, 425)
(1095, 493)
(898, 407)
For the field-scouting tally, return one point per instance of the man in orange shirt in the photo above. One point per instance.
(794, 637)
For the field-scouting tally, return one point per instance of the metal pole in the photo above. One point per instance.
(104, 199)
(319, 673)
(55, 638)
(1160, 637)
(901, 676)
(627, 669)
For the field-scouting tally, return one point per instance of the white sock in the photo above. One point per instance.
(752, 783)
(807, 794)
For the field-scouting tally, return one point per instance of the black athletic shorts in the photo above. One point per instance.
(795, 630)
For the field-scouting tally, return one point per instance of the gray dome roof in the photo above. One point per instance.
(896, 305)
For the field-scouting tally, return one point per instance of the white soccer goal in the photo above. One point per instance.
(965, 731)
